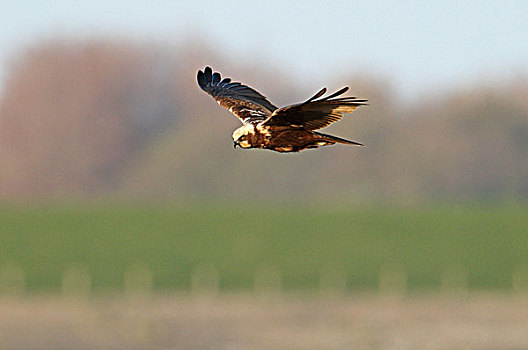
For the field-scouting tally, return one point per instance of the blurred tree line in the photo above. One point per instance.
(95, 117)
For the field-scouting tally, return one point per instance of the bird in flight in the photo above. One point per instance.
(287, 129)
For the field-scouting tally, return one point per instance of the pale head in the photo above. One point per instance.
(241, 136)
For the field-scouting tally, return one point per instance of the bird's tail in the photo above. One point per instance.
(335, 139)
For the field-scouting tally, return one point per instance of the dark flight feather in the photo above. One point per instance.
(288, 129)
(315, 113)
(317, 95)
(247, 104)
(337, 93)
(337, 139)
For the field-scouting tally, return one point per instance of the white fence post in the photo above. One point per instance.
(333, 281)
(205, 280)
(454, 278)
(12, 279)
(267, 280)
(138, 280)
(76, 281)
(392, 280)
(520, 279)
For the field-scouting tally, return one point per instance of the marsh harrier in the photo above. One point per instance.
(287, 129)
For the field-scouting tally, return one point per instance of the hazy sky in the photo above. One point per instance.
(417, 44)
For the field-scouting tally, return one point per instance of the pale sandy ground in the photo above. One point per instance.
(244, 322)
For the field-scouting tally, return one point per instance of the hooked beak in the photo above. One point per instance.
(235, 144)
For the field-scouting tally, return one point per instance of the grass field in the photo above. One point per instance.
(287, 246)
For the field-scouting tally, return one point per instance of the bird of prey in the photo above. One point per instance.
(287, 129)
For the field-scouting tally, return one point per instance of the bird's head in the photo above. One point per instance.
(241, 136)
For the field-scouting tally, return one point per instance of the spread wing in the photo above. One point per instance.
(247, 104)
(315, 113)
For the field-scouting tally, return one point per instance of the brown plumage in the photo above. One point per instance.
(286, 129)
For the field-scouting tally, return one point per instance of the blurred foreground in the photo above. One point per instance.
(114, 275)
(240, 322)
(94, 247)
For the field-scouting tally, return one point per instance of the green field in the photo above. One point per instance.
(485, 244)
